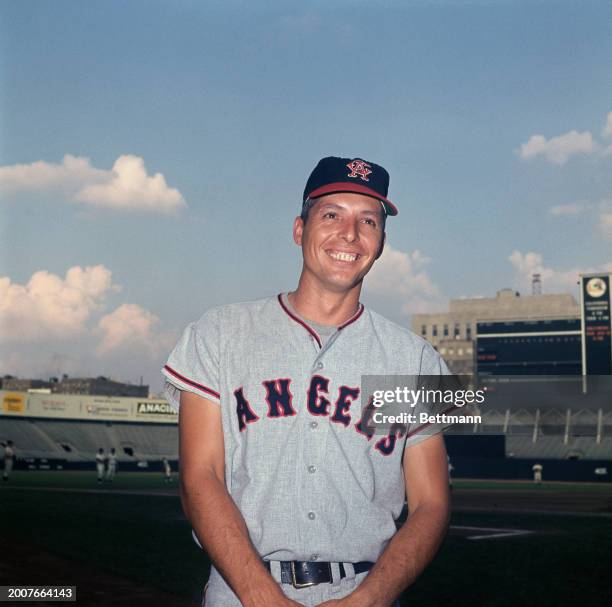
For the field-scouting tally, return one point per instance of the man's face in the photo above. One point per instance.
(341, 239)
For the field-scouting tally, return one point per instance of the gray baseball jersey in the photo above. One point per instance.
(9, 456)
(308, 480)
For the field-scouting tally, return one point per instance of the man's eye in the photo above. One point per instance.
(330, 214)
(371, 222)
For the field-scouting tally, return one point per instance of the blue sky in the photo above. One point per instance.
(490, 117)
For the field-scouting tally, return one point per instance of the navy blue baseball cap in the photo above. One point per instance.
(333, 175)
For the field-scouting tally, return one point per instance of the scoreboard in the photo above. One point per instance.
(529, 347)
(596, 327)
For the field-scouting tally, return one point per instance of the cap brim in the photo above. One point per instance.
(356, 188)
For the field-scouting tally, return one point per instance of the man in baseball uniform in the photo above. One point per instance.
(111, 468)
(537, 473)
(292, 496)
(9, 457)
(167, 470)
(100, 464)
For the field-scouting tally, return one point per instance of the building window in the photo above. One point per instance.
(468, 331)
(457, 331)
(423, 329)
(445, 330)
(434, 330)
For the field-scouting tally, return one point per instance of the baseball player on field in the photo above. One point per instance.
(167, 470)
(537, 473)
(111, 467)
(9, 457)
(100, 464)
(291, 496)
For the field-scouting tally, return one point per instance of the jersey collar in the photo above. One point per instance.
(308, 328)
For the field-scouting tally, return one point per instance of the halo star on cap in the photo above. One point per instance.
(333, 175)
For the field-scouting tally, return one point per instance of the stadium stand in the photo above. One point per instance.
(79, 440)
(147, 441)
(29, 439)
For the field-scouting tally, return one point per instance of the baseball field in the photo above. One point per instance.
(127, 543)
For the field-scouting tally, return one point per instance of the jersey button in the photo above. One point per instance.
(319, 366)
(314, 557)
(313, 425)
(312, 469)
(312, 516)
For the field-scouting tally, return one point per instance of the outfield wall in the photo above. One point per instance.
(593, 471)
(86, 408)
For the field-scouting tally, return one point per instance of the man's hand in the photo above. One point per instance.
(415, 544)
(278, 600)
(352, 600)
(217, 522)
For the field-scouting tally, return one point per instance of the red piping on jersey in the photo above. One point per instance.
(422, 427)
(300, 321)
(353, 318)
(192, 383)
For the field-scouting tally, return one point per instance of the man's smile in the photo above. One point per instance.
(342, 255)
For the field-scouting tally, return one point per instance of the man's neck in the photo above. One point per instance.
(325, 307)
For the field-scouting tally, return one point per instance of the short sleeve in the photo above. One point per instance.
(432, 364)
(193, 365)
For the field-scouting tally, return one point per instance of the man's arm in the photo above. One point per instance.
(416, 543)
(210, 509)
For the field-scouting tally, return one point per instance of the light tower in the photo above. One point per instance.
(536, 284)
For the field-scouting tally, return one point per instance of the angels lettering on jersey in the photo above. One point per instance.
(279, 403)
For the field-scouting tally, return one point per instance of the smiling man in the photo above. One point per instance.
(292, 496)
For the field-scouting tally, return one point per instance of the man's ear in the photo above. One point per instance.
(298, 229)
(382, 245)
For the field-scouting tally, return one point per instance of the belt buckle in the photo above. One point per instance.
(306, 584)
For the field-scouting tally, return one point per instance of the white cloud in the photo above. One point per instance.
(602, 210)
(127, 186)
(607, 130)
(553, 281)
(131, 188)
(400, 277)
(129, 326)
(42, 176)
(558, 149)
(49, 306)
(53, 325)
(574, 208)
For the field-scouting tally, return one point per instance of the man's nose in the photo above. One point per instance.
(350, 230)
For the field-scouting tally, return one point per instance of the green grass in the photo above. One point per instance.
(88, 480)
(566, 562)
(531, 486)
(142, 538)
(147, 539)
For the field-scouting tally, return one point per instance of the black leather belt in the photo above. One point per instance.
(304, 573)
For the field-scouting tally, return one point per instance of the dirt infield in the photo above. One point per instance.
(24, 564)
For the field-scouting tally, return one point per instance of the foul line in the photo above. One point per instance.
(499, 532)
